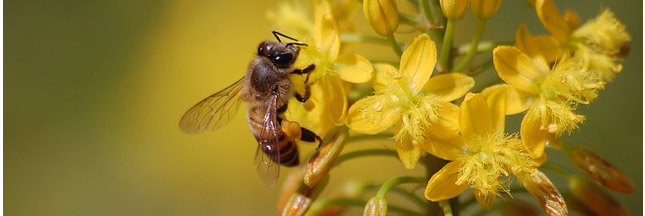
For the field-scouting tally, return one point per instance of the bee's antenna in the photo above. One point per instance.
(277, 34)
(297, 44)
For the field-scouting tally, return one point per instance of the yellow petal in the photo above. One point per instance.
(517, 101)
(516, 68)
(409, 152)
(549, 47)
(449, 87)
(417, 62)
(534, 138)
(497, 103)
(540, 45)
(447, 149)
(442, 184)
(485, 9)
(537, 162)
(486, 200)
(354, 68)
(474, 117)
(572, 19)
(327, 36)
(382, 15)
(335, 99)
(385, 74)
(371, 116)
(552, 20)
(447, 123)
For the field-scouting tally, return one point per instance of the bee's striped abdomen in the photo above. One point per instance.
(288, 150)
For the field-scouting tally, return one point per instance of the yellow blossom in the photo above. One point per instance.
(327, 105)
(480, 156)
(410, 101)
(596, 43)
(550, 93)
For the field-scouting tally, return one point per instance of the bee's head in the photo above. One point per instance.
(281, 54)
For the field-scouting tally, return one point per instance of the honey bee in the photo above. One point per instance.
(267, 89)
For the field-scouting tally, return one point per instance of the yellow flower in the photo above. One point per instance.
(412, 102)
(327, 105)
(597, 43)
(550, 93)
(480, 156)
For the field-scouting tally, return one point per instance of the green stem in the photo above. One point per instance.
(317, 207)
(393, 182)
(407, 194)
(481, 25)
(408, 19)
(394, 44)
(444, 58)
(447, 211)
(366, 152)
(427, 12)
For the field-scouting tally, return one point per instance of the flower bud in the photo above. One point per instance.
(320, 163)
(485, 9)
(296, 205)
(290, 186)
(453, 9)
(600, 169)
(382, 15)
(595, 198)
(545, 192)
(375, 207)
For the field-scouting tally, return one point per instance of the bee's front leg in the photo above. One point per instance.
(307, 70)
(304, 98)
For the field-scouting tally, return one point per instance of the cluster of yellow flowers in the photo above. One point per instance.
(437, 118)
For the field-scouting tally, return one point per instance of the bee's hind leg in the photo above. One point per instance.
(310, 136)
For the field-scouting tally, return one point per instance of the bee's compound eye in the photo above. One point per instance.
(283, 59)
(260, 49)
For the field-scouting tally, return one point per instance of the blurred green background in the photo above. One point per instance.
(94, 91)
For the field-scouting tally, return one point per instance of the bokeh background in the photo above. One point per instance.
(93, 91)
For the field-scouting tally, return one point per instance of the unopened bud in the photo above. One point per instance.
(382, 15)
(375, 207)
(290, 186)
(453, 9)
(600, 169)
(320, 163)
(545, 192)
(595, 198)
(296, 205)
(485, 9)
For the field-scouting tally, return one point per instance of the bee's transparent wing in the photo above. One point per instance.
(214, 111)
(267, 155)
